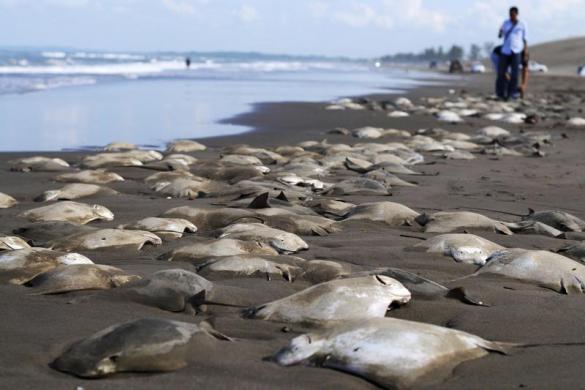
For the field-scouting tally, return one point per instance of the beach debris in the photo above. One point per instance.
(75, 191)
(390, 352)
(70, 212)
(336, 300)
(67, 278)
(105, 239)
(144, 345)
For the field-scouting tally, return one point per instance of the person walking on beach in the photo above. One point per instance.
(513, 53)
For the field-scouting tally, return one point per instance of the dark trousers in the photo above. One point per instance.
(506, 89)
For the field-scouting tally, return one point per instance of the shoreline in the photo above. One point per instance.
(37, 328)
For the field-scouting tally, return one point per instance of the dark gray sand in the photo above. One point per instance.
(35, 329)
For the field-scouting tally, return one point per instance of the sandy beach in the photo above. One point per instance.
(35, 329)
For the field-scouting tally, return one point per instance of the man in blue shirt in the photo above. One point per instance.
(513, 31)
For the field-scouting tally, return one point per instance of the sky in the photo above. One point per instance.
(353, 28)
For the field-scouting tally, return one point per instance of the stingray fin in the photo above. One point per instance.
(282, 197)
(319, 231)
(207, 327)
(260, 202)
(461, 294)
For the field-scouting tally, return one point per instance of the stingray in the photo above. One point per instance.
(201, 251)
(533, 227)
(265, 201)
(358, 186)
(239, 159)
(185, 146)
(357, 165)
(75, 191)
(542, 268)
(332, 208)
(21, 265)
(389, 352)
(387, 179)
(67, 278)
(249, 266)
(574, 251)
(97, 176)
(282, 241)
(42, 232)
(144, 345)
(447, 222)
(174, 290)
(319, 271)
(119, 146)
(558, 219)
(211, 219)
(229, 174)
(190, 188)
(464, 248)
(458, 155)
(69, 212)
(266, 156)
(336, 300)
(420, 287)
(39, 164)
(394, 168)
(6, 201)
(298, 224)
(12, 243)
(393, 214)
(166, 228)
(110, 160)
(368, 132)
(100, 239)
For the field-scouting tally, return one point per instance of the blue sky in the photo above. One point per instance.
(353, 28)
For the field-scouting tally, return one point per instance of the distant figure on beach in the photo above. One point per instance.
(512, 54)
(188, 62)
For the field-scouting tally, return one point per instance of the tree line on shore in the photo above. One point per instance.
(455, 52)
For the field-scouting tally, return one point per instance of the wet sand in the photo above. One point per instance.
(35, 329)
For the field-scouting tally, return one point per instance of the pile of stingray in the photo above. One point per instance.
(266, 200)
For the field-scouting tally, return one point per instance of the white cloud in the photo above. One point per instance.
(180, 6)
(383, 14)
(247, 14)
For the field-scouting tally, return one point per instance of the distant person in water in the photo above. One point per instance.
(188, 62)
(513, 53)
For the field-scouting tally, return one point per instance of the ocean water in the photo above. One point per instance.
(55, 100)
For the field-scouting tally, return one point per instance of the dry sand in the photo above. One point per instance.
(35, 329)
(562, 57)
